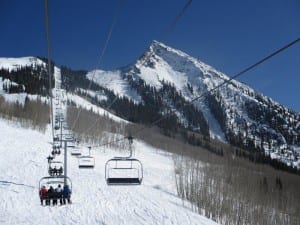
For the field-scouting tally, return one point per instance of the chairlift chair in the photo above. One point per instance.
(55, 168)
(69, 138)
(56, 127)
(86, 162)
(75, 151)
(50, 181)
(47, 182)
(123, 171)
(55, 138)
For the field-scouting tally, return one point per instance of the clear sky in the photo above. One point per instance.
(228, 35)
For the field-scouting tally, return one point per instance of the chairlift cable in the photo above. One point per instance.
(163, 36)
(49, 63)
(261, 61)
(108, 37)
(175, 21)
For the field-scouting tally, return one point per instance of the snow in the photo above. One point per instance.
(18, 98)
(81, 102)
(93, 202)
(23, 162)
(114, 82)
(15, 63)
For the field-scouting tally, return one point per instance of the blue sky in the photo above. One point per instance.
(229, 35)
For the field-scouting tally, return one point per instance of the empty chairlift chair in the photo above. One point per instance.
(86, 162)
(74, 149)
(124, 170)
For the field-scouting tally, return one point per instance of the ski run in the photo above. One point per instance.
(23, 163)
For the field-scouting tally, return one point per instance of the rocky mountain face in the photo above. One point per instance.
(169, 81)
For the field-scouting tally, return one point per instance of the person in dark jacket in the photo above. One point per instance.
(49, 158)
(50, 194)
(66, 194)
(60, 171)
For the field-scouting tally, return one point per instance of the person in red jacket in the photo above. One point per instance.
(43, 194)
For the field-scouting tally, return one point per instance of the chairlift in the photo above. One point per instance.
(124, 170)
(69, 137)
(55, 138)
(55, 148)
(87, 161)
(50, 181)
(70, 143)
(47, 182)
(75, 151)
(55, 168)
(56, 127)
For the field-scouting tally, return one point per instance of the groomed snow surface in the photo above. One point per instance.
(23, 162)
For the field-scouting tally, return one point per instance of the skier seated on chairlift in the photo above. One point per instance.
(58, 193)
(43, 195)
(55, 171)
(51, 171)
(50, 195)
(60, 171)
(66, 194)
(49, 158)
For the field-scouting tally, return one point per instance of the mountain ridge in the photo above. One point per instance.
(246, 118)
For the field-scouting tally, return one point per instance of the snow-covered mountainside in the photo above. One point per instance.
(16, 63)
(234, 113)
(164, 81)
(23, 163)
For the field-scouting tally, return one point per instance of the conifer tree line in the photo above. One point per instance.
(273, 128)
(32, 79)
(155, 104)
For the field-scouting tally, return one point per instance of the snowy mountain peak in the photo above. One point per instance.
(234, 112)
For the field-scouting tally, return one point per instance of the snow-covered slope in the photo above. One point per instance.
(235, 113)
(15, 63)
(12, 64)
(113, 80)
(23, 162)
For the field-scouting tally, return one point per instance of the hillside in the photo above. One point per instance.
(168, 80)
(23, 163)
